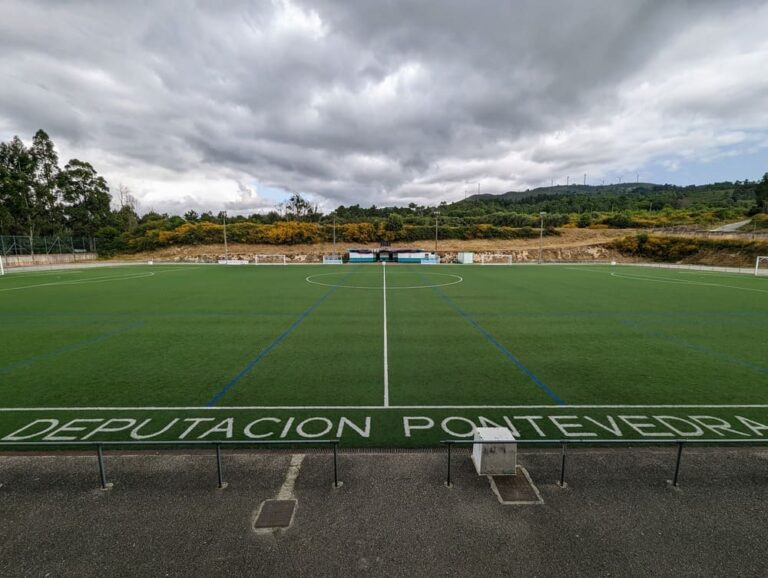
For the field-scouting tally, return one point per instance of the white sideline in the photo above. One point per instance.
(378, 407)
(386, 354)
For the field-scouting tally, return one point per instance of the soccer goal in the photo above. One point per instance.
(496, 259)
(269, 259)
(332, 259)
(761, 265)
(2, 266)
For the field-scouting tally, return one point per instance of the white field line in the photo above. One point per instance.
(671, 281)
(286, 490)
(458, 279)
(379, 407)
(45, 273)
(83, 281)
(106, 279)
(685, 282)
(386, 353)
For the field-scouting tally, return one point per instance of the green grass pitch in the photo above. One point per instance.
(202, 352)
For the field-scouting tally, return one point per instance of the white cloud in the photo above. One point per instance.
(192, 104)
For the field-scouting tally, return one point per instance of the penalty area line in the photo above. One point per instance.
(379, 407)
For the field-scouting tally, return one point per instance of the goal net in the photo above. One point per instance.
(269, 259)
(332, 259)
(761, 266)
(496, 259)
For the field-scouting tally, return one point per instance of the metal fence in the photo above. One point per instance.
(24, 245)
(99, 446)
(596, 443)
(217, 445)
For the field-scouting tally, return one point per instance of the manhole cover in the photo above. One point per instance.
(517, 489)
(275, 514)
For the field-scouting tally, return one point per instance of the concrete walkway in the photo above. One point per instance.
(393, 516)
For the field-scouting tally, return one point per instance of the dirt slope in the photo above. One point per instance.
(572, 244)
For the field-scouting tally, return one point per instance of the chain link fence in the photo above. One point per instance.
(24, 245)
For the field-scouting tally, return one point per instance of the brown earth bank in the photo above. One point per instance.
(570, 245)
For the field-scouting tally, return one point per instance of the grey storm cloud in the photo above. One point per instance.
(206, 105)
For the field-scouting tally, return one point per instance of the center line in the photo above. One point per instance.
(386, 354)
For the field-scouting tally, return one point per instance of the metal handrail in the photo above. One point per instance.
(99, 445)
(596, 443)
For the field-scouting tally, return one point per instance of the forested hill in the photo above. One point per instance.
(569, 190)
(617, 197)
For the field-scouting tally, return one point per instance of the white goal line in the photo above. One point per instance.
(381, 407)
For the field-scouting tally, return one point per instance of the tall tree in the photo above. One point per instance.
(86, 199)
(298, 208)
(17, 170)
(46, 174)
(761, 194)
(125, 216)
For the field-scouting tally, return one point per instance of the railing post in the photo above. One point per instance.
(335, 466)
(677, 464)
(448, 478)
(562, 467)
(102, 471)
(218, 467)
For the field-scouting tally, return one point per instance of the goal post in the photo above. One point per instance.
(2, 266)
(332, 259)
(496, 259)
(761, 265)
(269, 259)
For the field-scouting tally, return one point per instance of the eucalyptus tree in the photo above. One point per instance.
(86, 199)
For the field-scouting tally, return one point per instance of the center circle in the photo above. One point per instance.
(451, 280)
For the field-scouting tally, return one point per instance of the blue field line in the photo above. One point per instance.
(88, 318)
(757, 319)
(692, 317)
(693, 347)
(264, 352)
(498, 345)
(68, 348)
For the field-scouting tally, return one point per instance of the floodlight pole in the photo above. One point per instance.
(226, 251)
(437, 216)
(334, 236)
(541, 234)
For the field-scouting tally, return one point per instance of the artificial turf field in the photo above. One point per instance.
(402, 355)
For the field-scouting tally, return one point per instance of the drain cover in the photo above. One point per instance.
(275, 514)
(517, 489)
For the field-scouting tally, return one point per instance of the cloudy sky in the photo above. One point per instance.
(232, 105)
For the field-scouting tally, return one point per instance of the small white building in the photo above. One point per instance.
(362, 256)
(415, 256)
